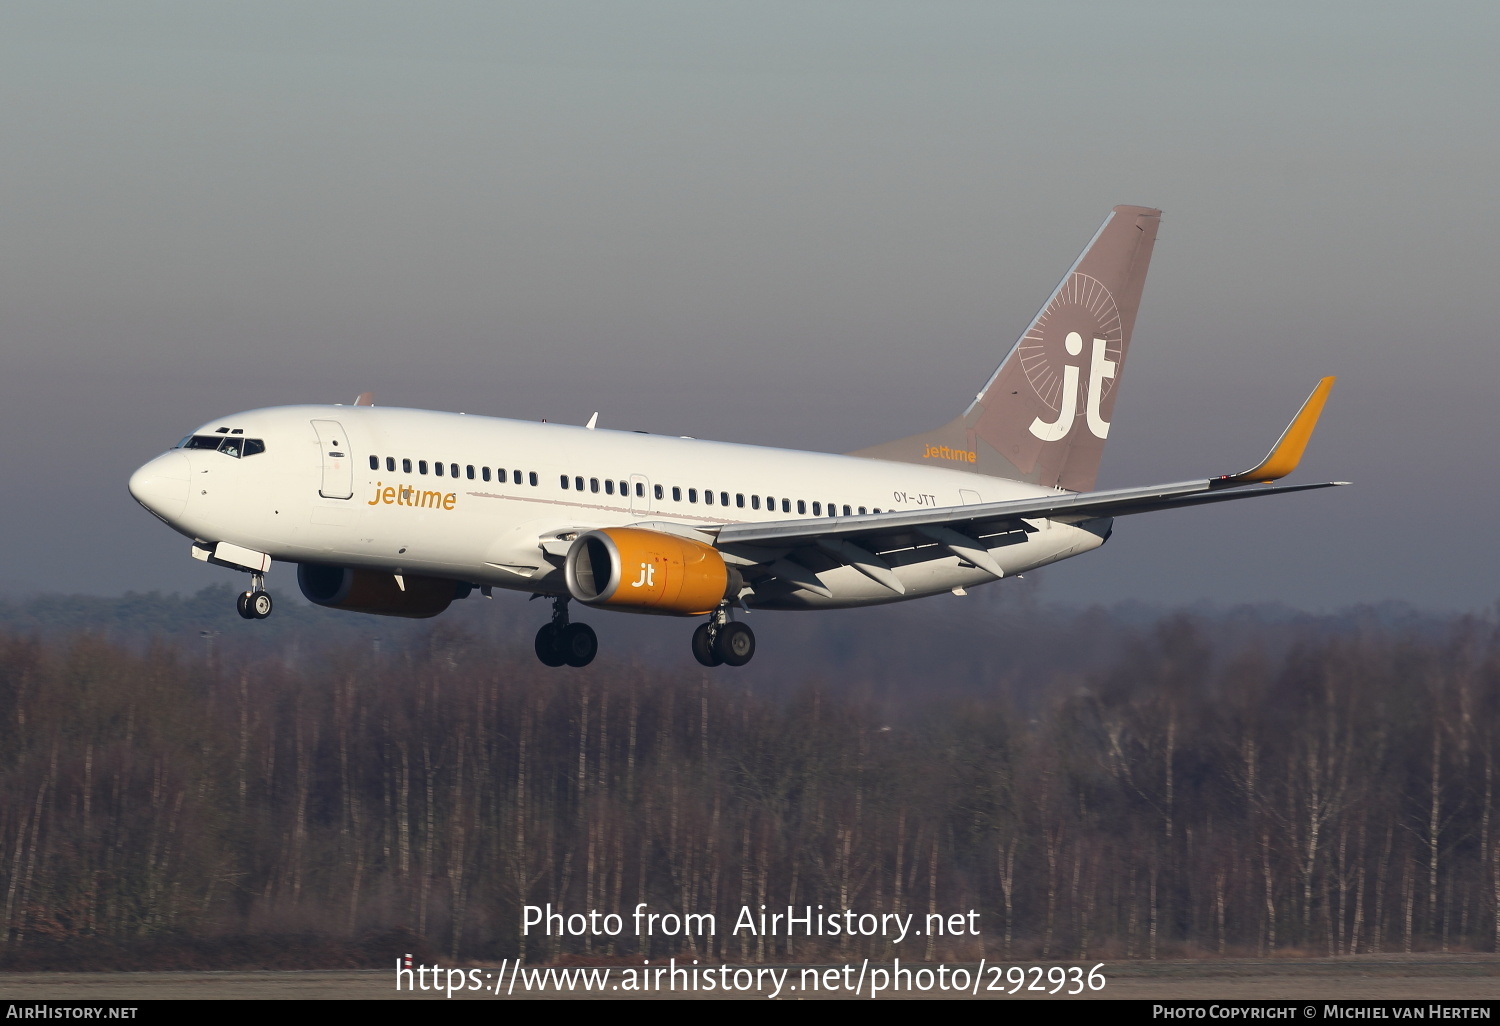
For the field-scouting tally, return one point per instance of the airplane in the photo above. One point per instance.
(400, 512)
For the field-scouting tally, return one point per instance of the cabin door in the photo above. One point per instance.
(338, 464)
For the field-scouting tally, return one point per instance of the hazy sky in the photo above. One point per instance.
(810, 224)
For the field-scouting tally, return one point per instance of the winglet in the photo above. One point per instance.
(1287, 452)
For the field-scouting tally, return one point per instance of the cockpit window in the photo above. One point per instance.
(229, 445)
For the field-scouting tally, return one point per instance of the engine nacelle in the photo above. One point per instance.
(368, 591)
(649, 571)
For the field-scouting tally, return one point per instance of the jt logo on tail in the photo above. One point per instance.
(1100, 369)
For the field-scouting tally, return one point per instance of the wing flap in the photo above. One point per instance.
(863, 560)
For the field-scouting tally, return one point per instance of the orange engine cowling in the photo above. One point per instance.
(649, 571)
(368, 591)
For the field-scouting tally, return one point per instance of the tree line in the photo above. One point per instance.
(1330, 796)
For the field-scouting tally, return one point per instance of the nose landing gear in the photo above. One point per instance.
(254, 604)
(561, 643)
(723, 641)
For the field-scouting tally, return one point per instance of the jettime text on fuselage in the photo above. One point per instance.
(404, 495)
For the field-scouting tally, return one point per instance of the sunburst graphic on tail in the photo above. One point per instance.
(1082, 315)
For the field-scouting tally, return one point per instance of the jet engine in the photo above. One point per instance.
(649, 572)
(369, 591)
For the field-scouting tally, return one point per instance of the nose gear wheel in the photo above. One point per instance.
(254, 604)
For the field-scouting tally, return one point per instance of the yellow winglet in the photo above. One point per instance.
(1287, 452)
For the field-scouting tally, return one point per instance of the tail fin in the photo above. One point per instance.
(1044, 414)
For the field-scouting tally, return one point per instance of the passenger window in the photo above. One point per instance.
(484, 472)
(875, 510)
(565, 482)
(801, 508)
(847, 513)
(609, 487)
(739, 500)
(676, 494)
(500, 475)
(421, 466)
(437, 468)
(578, 483)
(390, 464)
(817, 509)
(624, 487)
(453, 470)
(708, 497)
(516, 477)
(755, 502)
(692, 495)
(723, 498)
(640, 490)
(406, 466)
(861, 511)
(656, 490)
(533, 478)
(469, 472)
(594, 484)
(374, 462)
(254, 447)
(786, 505)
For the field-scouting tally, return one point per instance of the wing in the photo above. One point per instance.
(970, 532)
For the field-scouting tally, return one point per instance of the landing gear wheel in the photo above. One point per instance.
(242, 605)
(703, 646)
(548, 650)
(579, 644)
(259, 605)
(735, 644)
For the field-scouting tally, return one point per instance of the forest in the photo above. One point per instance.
(1096, 784)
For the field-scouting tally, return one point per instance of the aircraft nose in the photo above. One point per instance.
(162, 485)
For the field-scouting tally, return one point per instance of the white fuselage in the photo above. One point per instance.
(287, 501)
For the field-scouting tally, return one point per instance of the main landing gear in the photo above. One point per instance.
(254, 604)
(723, 641)
(719, 642)
(562, 643)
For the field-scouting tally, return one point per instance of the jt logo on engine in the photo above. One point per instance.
(1099, 369)
(647, 578)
